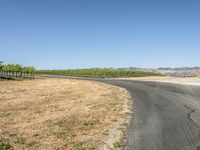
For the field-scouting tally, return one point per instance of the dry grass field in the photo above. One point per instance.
(51, 114)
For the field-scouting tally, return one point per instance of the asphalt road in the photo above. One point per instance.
(165, 116)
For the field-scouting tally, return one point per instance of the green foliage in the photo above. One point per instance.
(98, 73)
(16, 70)
(1, 62)
(4, 146)
(79, 146)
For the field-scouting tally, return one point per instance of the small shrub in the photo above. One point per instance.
(88, 122)
(93, 148)
(60, 134)
(79, 146)
(19, 140)
(116, 145)
(4, 146)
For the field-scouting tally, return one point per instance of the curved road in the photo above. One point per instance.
(165, 116)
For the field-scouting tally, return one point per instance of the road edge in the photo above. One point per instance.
(116, 136)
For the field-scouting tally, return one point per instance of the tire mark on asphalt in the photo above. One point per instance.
(189, 117)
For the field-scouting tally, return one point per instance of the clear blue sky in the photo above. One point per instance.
(57, 34)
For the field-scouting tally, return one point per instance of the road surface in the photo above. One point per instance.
(165, 116)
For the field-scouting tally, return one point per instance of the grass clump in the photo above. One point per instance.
(89, 122)
(79, 146)
(31, 144)
(60, 134)
(4, 146)
(61, 123)
(116, 145)
(93, 148)
(18, 139)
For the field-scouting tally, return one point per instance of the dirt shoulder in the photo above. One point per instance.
(62, 114)
(187, 81)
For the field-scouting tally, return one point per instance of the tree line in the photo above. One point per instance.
(98, 73)
(16, 70)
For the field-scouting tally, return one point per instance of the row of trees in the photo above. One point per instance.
(98, 73)
(16, 70)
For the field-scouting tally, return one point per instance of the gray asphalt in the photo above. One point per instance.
(165, 116)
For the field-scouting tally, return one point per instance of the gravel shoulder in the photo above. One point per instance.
(186, 81)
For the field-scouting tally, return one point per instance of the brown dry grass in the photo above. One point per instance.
(59, 113)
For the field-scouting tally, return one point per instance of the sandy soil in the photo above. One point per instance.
(61, 114)
(187, 81)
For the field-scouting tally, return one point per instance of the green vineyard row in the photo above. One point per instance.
(98, 73)
(16, 70)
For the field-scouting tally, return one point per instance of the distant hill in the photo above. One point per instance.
(175, 72)
(180, 72)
